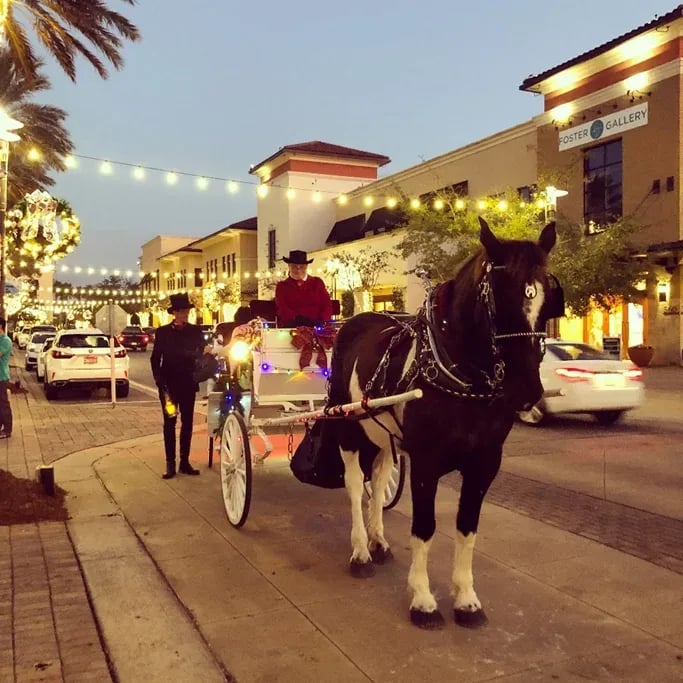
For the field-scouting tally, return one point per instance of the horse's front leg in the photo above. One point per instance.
(361, 562)
(381, 472)
(467, 610)
(424, 611)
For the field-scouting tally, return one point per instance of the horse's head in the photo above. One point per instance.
(522, 297)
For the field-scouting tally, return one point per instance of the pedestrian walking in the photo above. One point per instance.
(5, 407)
(177, 347)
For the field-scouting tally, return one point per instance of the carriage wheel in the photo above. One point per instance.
(235, 469)
(394, 487)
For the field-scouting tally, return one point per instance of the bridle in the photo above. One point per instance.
(432, 362)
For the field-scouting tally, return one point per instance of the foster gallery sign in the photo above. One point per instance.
(604, 127)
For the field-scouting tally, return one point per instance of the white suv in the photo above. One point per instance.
(82, 357)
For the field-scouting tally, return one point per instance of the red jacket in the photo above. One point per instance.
(306, 299)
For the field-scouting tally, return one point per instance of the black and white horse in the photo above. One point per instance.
(474, 350)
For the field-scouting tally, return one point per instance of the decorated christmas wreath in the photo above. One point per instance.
(41, 229)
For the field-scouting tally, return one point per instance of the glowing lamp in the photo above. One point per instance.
(239, 351)
(265, 367)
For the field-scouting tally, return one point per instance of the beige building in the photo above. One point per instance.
(611, 128)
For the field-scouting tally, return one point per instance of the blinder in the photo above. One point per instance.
(553, 306)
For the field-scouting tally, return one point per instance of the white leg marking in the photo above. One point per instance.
(464, 596)
(418, 578)
(532, 307)
(353, 480)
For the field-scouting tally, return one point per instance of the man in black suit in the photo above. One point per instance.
(177, 346)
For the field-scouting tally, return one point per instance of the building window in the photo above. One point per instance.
(233, 257)
(272, 253)
(602, 185)
(198, 280)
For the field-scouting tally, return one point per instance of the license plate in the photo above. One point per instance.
(90, 360)
(609, 381)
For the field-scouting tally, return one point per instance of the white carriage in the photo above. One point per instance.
(264, 372)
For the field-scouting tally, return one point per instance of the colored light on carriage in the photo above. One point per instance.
(265, 367)
(325, 372)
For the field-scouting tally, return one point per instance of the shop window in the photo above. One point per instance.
(602, 185)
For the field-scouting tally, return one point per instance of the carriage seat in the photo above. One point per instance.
(277, 350)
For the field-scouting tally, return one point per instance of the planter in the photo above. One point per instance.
(641, 355)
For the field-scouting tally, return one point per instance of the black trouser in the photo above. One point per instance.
(5, 408)
(183, 397)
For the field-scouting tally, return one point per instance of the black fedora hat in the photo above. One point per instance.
(179, 302)
(297, 257)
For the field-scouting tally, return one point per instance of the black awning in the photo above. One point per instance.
(384, 220)
(347, 230)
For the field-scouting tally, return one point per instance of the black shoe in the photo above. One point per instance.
(170, 471)
(5, 435)
(186, 468)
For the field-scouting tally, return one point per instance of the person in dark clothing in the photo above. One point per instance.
(176, 348)
(301, 299)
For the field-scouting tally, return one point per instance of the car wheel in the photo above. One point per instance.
(27, 366)
(533, 417)
(608, 417)
(122, 392)
(51, 393)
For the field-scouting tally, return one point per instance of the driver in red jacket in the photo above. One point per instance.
(301, 299)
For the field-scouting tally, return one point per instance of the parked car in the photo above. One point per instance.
(34, 346)
(43, 328)
(40, 362)
(82, 358)
(21, 337)
(133, 337)
(578, 378)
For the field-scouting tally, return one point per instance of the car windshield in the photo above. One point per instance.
(84, 341)
(40, 337)
(574, 351)
(131, 330)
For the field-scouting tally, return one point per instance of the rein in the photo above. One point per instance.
(432, 362)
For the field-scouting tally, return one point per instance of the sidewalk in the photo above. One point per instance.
(148, 582)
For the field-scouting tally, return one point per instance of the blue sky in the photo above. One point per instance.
(215, 86)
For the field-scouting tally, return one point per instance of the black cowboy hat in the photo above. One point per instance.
(297, 257)
(179, 302)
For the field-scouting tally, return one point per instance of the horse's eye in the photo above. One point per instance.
(530, 291)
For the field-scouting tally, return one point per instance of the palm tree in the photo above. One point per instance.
(66, 29)
(43, 129)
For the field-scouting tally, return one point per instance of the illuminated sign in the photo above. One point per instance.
(604, 127)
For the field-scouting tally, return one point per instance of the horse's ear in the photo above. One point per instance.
(488, 240)
(548, 237)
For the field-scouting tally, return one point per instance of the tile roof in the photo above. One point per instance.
(326, 149)
(533, 80)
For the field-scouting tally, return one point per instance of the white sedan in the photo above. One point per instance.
(578, 378)
(35, 344)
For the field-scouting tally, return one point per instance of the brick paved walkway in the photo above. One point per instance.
(47, 628)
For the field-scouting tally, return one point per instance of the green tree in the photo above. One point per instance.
(66, 29)
(43, 129)
(597, 269)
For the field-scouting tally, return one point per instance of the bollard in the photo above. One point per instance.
(45, 474)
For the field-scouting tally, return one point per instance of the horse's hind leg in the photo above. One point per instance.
(381, 472)
(467, 610)
(361, 562)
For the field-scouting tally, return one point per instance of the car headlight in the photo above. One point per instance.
(239, 351)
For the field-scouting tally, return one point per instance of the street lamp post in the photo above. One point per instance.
(7, 126)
